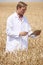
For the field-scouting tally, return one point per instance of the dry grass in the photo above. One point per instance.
(34, 56)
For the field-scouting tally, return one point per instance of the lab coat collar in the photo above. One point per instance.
(16, 15)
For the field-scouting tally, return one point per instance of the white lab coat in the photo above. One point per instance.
(14, 27)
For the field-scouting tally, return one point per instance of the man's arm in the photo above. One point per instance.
(10, 32)
(9, 29)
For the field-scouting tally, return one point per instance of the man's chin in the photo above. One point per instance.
(21, 15)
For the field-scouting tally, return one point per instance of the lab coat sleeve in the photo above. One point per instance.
(9, 29)
(30, 31)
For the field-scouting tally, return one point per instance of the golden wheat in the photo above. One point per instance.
(34, 55)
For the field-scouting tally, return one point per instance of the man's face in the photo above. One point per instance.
(22, 10)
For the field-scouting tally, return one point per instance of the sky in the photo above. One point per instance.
(21, 0)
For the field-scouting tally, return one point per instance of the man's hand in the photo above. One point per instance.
(36, 32)
(23, 33)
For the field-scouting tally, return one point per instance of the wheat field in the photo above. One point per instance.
(34, 55)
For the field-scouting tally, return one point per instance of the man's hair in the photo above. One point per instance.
(21, 4)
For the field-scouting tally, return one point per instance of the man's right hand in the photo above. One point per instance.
(23, 33)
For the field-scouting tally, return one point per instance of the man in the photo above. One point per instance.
(18, 29)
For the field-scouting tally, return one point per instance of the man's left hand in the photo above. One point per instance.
(36, 32)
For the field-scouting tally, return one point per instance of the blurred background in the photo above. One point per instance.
(34, 14)
(21, 0)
